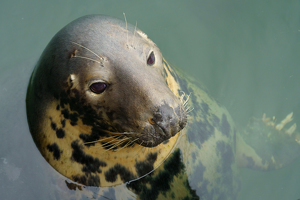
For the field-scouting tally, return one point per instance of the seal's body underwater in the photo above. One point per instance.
(105, 108)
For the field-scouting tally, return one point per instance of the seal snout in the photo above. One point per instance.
(169, 120)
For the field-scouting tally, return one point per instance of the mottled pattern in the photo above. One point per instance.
(159, 185)
(212, 165)
(55, 150)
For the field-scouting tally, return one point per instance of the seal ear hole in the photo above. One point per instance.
(98, 87)
(151, 59)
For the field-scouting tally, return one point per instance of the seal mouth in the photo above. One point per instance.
(152, 136)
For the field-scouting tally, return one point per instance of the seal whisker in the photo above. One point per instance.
(126, 145)
(88, 50)
(189, 117)
(97, 140)
(189, 109)
(135, 140)
(153, 135)
(187, 99)
(87, 58)
(127, 133)
(124, 133)
(116, 137)
(107, 145)
(121, 141)
(182, 96)
(134, 34)
(116, 144)
(126, 26)
(111, 142)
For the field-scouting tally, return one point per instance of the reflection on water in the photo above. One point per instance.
(247, 53)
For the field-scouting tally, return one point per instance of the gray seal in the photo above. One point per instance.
(101, 99)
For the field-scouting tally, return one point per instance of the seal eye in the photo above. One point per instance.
(98, 87)
(151, 59)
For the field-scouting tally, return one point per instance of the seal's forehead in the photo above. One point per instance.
(129, 29)
(113, 26)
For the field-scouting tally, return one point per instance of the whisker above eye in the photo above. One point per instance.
(88, 50)
(87, 58)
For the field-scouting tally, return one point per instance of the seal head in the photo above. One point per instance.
(102, 81)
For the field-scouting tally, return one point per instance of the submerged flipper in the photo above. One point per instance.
(265, 145)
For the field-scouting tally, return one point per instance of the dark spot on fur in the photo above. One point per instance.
(55, 150)
(73, 118)
(173, 195)
(87, 179)
(90, 164)
(73, 186)
(159, 183)
(57, 107)
(65, 113)
(227, 157)
(198, 176)
(216, 120)
(53, 126)
(87, 113)
(60, 133)
(200, 131)
(184, 86)
(94, 136)
(146, 166)
(205, 108)
(73, 123)
(112, 173)
(63, 123)
(224, 150)
(225, 127)
(56, 96)
(80, 179)
(196, 106)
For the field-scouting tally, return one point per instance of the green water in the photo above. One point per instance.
(246, 52)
